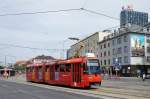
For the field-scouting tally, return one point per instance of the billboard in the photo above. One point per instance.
(148, 48)
(148, 45)
(137, 60)
(137, 45)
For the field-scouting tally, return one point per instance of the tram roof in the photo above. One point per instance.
(65, 61)
(72, 60)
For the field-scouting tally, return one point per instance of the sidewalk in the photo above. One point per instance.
(132, 83)
(126, 79)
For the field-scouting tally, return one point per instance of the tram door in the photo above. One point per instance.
(40, 74)
(47, 73)
(76, 72)
(52, 77)
(33, 73)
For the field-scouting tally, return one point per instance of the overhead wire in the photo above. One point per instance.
(38, 12)
(101, 14)
(33, 48)
(64, 10)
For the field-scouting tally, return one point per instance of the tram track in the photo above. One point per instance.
(134, 93)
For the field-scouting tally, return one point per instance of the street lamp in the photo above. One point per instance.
(74, 38)
(70, 38)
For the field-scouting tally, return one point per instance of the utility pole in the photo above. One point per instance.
(5, 60)
(63, 54)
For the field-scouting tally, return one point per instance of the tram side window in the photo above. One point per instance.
(32, 68)
(68, 67)
(28, 70)
(62, 68)
(40, 69)
(57, 68)
(85, 69)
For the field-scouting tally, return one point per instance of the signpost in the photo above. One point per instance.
(117, 66)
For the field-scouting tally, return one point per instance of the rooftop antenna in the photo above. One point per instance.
(130, 7)
(123, 8)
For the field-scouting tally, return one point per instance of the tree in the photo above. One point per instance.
(1, 67)
(20, 68)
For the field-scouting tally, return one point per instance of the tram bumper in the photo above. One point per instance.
(94, 80)
(95, 84)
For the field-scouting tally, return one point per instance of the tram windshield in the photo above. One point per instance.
(93, 66)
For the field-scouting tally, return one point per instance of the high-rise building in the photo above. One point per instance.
(128, 16)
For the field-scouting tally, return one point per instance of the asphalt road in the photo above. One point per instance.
(10, 90)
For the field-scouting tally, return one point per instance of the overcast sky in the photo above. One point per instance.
(50, 30)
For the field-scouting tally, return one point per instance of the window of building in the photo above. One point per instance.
(88, 44)
(113, 42)
(91, 51)
(119, 59)
(114, 60)
(108, 53)
(125, 49)
(119, 50)
(119, 40)
(105, 53)
(101, 54)
(101, 62)
(108, 61)
(97, 43)
(104, 62)
(108, 44)
(101, 46)
(113, 50)
(97, 56)
(125, 59)
(104, 45)
(125, 38)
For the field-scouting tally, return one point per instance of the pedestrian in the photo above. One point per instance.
(143, 77)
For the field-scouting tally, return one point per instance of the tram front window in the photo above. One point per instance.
(93, 66)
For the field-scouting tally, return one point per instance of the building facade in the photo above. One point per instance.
(128, 16)
(127, 52)
(87, 45)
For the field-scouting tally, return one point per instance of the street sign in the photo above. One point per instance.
(117, 65)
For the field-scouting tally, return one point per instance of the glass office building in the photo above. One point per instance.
(133, 17)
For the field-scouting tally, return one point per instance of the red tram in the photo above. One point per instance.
(79, 72)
